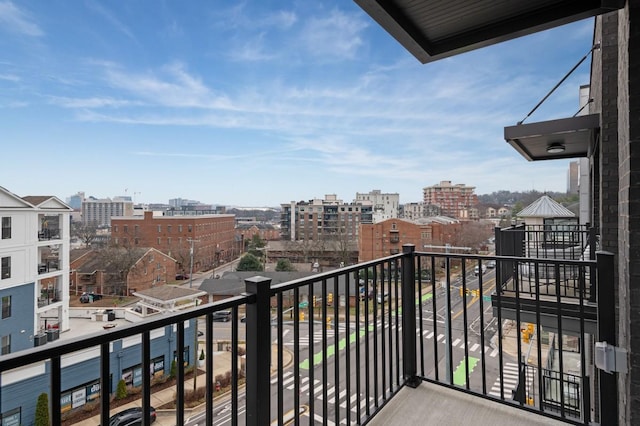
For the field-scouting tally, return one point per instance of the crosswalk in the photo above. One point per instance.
(459, 343)
(316, 391)
(511, 378)
(318, 336)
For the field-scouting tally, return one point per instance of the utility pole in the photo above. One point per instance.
(191, 240)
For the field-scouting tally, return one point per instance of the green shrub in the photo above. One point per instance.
(42, 410)
(121, 389)
(173, 370)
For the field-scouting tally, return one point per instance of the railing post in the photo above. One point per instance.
(409, 364)
(258, 352)
(608, 392)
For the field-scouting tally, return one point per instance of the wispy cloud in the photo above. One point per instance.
(111, 18)
(337, 35)
(91, 102)
(9, 77)
(18, 20)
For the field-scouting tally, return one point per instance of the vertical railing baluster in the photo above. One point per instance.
(146, 376)
(56, 380)
(105, 383)
(258, 353)
(409, 366)
(209, 374)
(180, 376)
(608, 392)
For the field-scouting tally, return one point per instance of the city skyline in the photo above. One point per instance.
(262, 103)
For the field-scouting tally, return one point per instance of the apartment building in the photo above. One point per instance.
(212, 237)
(384, 205)
(412, 211)
(386, 238)
(454, 200)
(323, 219)
(34, 270)
(100, 212)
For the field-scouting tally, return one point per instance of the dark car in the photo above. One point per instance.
(182, 276)
(89, 297)
(222, 316)
(130, 417)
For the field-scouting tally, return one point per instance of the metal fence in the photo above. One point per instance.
(339, 345)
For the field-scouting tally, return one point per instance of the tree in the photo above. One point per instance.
(42, 410)
(121, 389)
(117, 261)
(86, 233)
(284, 265)
(250, 263)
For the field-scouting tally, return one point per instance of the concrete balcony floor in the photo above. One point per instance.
(431, 404)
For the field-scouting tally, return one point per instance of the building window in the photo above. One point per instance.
(6, 228)
(189, 228)
(159, 240)
(5, 268)
(169, 228)
(6, 307)
(179, 228)
(168, 240)
(159, 229)
(136, 229)
(6, 345)
(126, 229)
(115, 228)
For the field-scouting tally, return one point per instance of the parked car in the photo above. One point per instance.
(89, 297)
(476, 270)
(382, 298)
(182, 276)
(222, 316)
(491, 264)
(130, 417)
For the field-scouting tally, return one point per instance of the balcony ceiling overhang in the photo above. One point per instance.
(575, 136)
(435, 29)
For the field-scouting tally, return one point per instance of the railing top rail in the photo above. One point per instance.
(290, 285)
(63, 347)
(510, 258)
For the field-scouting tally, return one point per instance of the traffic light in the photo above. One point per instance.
(330, 298)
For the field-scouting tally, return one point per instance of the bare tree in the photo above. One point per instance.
(118, 262)
(86, 233)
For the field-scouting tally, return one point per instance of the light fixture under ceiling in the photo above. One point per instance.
(555, 148)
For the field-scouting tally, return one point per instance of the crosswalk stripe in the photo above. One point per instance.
(475, 347)
(455, 342)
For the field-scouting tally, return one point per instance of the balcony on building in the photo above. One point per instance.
(49, 227)
(49, 258)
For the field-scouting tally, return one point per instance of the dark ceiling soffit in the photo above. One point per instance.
(389, 15)
(576, 134)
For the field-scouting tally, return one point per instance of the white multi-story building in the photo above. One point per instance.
(34, 270)
(100, 212)
(384, 206)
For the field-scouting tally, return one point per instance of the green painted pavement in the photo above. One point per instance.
(460, 375)
(342, 343)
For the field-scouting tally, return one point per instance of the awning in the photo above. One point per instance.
(549, 140)
(435, 29)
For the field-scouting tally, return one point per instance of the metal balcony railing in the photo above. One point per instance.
(339, 345)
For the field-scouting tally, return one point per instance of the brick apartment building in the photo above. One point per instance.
(212, 237)
(456, 201)
(122, 274)
(387, 237)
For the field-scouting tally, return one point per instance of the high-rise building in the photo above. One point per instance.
(100, 212)
(75, 201)
(573, 177)
(385, 206)
(453, 200)
(327, 219)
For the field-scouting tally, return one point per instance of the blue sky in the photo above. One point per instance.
(262, 102)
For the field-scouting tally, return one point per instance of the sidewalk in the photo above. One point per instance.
(222, 364)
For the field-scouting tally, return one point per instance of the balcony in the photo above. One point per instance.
(49, 227)
(50, 291)
(49, 259)
(422, 348)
